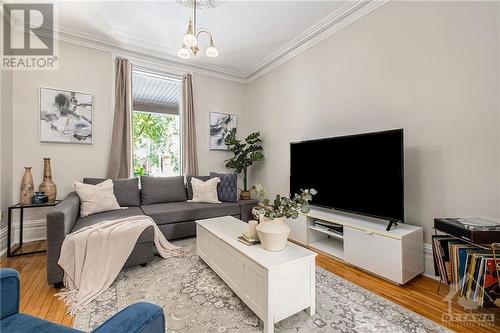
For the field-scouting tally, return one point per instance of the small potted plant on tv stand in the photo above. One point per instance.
(245, 154)
(272, 230)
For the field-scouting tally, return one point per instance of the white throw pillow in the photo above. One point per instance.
(96, 198)
(205, 191)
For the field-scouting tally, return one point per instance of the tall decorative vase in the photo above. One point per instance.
(48, 185)
(273, 233)
(27, 187)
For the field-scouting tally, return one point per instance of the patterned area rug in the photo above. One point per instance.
(195, 299)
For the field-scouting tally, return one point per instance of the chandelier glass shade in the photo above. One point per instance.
(192, 35)
(184, 52)
(189, 38)
(211, 51)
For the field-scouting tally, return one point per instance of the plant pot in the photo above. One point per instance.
(273, 233)
(245, 195)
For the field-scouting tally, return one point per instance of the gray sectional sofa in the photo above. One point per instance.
(164, 199)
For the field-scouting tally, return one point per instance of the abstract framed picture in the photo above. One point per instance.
(221, 124)
(66, 116)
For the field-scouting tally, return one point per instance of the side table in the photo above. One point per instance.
(12, 252)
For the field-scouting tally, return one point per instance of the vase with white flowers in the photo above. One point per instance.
(273, 232)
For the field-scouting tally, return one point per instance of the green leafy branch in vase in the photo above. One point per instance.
(283, 206)
(245, 153)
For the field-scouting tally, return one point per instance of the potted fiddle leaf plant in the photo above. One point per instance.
(273, 232)
(245, 152)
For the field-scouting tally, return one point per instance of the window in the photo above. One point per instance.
(156, 125)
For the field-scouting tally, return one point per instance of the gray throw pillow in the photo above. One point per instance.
(126, 190)
(227, 189)
(162, 189)
(189, 188)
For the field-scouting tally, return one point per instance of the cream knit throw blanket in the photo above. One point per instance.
(93, 256)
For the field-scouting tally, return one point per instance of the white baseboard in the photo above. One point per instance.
(429, 262)
(34, 230)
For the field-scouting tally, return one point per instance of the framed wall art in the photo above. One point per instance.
(66, 116)
(221, 124)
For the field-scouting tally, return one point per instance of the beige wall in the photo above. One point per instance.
(430, 68)
(215, 95)
(5, 143)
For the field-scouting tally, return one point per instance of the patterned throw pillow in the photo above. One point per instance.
(228, 186)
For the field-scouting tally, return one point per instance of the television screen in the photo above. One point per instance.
(361, 173)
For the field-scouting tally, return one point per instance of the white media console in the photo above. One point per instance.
(396, 255)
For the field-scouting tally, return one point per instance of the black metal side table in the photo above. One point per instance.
(12, 252)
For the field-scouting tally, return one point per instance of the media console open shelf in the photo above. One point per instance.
(396, 255)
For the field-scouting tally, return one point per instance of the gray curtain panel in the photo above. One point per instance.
(190, 157)
(120, 160)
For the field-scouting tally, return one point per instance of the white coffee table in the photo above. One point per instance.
(274, 285)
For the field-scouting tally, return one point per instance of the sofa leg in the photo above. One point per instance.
(144, 265)
(58, 285)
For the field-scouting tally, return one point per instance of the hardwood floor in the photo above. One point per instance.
(419, 295)
(37, 297)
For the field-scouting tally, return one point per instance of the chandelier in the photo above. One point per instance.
(192, 35)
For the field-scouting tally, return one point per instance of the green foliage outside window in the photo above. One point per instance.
(155, 144)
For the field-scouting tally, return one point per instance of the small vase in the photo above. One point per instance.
(48, 185)
(27, 187)
(39, 198)
(273, 233)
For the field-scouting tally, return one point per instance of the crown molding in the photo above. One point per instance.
(336, 21)
(144, 51)
(145, 54)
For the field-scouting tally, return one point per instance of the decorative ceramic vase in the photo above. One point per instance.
(39, 198)
(273, 233)
(48, 185)
(27, 187)
(245, 195)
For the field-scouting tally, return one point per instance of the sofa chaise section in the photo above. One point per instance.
(143, 249)
(65, 219)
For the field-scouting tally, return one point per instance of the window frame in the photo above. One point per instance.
(146, 107)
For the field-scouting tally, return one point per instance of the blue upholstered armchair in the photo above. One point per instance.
(137, 318)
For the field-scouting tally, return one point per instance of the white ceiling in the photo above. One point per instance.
(246, 33)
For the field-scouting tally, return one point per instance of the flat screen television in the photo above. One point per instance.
(361, 174)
